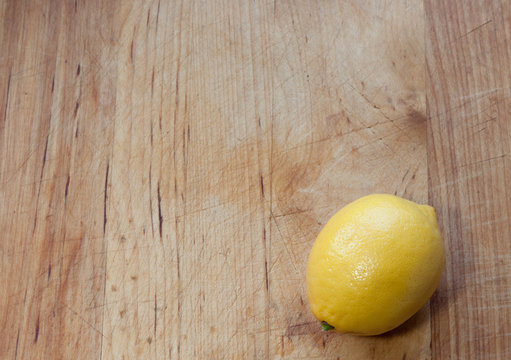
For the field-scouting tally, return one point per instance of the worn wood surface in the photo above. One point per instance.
(468, 52)
(166, 165)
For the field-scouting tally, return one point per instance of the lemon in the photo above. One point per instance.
(374, 264)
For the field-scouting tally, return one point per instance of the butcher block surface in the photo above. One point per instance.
(166, 165)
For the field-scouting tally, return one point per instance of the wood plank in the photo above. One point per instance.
(349, 119)
(469, 92)
(55, 138)
(187, 209)
(166, 165)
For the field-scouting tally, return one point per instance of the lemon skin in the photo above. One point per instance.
(374, 264)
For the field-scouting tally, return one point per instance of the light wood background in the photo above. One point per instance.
(166, 165)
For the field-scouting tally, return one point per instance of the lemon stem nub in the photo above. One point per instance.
(326, 326)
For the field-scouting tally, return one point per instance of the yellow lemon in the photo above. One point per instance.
(374, 264)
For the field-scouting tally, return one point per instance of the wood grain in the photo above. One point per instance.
(166, 165)
(58, 105)
(469, 92)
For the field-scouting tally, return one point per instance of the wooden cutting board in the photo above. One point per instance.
(166, 165)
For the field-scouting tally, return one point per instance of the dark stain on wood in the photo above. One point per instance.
(131, 51)
(44, 155)
(155, 313)
(105, 197)
(67, 187)
(7, 97)
(75, 112)
(266, 280)
(416, 116)
(36, 330)
(160, 217)
(17, 343)
(301, 329)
